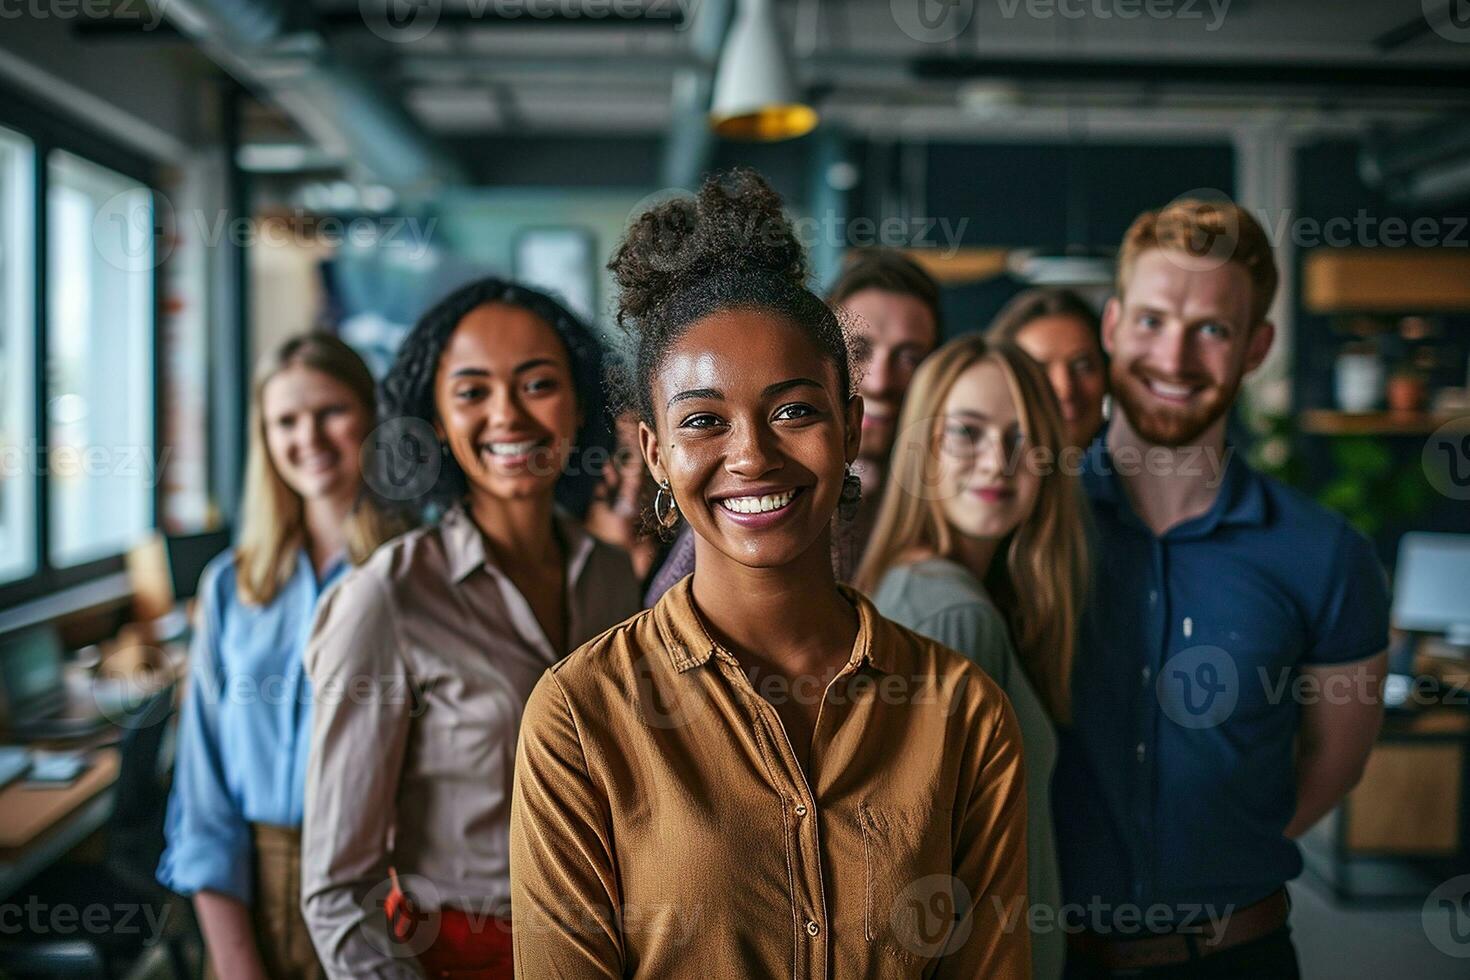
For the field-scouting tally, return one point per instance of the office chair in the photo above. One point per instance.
(132, 844)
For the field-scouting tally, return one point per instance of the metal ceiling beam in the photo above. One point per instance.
(1271, 75)
(275, 46)
(690, 144)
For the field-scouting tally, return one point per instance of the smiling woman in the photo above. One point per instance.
(423, 661)
(716, 785)
(234, 814)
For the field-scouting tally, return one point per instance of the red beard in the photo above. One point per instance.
(1167, 425)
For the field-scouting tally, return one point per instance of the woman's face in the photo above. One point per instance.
(314, 428)
(1069, 352)
(753, 435)
(505, 402)
(984, 487)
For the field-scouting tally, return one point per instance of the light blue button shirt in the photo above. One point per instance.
(244, 730)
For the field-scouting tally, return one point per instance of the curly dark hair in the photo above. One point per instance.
(728, 247)
(408, 389)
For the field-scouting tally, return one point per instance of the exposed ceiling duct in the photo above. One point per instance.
(274, 46)
(1428, 167)
(690, 144)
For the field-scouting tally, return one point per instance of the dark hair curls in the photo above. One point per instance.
(728, 247)
(408, 389)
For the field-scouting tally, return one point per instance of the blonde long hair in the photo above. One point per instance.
(273, 523)
(1040, 585)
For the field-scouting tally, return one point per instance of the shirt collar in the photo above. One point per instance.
(464, 545)
(306, 571)
(1241, 500)
(690, 645)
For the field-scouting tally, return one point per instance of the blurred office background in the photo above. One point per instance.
(183, 182)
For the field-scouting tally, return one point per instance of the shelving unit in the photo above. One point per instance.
(1327, 422)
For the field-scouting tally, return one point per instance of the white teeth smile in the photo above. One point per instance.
(758, 505)
(1170, 391)
(513, 448)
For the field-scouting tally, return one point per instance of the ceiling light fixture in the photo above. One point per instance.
(755, 95)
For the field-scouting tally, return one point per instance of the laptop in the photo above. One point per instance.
(34, 698)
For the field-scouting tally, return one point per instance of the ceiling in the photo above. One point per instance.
(465, 68)
(448, 74)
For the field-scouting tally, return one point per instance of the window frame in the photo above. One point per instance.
(48, 132)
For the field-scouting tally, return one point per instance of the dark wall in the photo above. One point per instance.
(543, 161)
(1050, 196)
(1020, 194)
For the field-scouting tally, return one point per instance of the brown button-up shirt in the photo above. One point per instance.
(662, 827)
(421, 662)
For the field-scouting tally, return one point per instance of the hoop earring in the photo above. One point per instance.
(665, 509)
(852, 493)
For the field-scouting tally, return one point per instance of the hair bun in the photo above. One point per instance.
(735, 225)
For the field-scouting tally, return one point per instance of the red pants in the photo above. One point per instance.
(462, 947)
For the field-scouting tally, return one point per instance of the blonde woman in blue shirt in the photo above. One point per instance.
(239, 779)
(980, 544)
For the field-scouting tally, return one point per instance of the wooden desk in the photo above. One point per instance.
(1406, 826)
(39, 825)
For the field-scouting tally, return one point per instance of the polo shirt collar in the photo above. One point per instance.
(464, 545)
(1241, 500)
(690, 645)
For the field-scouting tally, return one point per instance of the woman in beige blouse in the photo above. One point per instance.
(760, 776)
(423, 658)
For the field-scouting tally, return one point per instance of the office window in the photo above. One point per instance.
(99, 371)
(17, 357)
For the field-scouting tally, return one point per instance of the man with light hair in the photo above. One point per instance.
(1227, 683)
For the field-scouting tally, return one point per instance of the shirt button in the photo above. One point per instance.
(1145, 673)
(812, 928)
(801, 809)
(1153, 597)
(1141, 751)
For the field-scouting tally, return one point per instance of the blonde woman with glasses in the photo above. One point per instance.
(980, 544)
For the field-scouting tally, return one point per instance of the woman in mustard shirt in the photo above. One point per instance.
(759, 776)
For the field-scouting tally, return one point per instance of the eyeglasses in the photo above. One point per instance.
(964, 439)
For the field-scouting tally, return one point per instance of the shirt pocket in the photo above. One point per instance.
(434, 752)
(911, 905)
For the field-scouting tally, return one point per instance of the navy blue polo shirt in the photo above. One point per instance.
(1176, 779)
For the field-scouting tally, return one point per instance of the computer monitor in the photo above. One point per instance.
(187, 556)
(32, 676)
(1432, 585)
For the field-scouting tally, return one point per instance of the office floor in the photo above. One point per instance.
(1337, 942)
